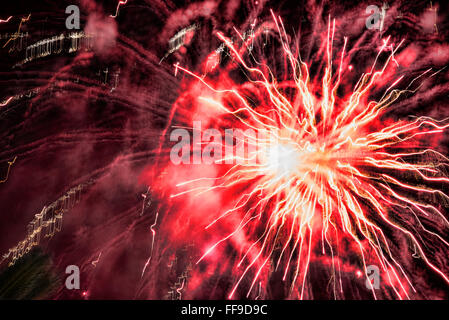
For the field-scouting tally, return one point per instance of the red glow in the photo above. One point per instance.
(339, 181)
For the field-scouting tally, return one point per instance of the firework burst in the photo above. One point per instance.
(322, 175)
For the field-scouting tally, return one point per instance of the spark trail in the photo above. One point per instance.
(153, 235)
(10, 164)
(7, 101)
(6, 20)
(119, 4)
(16, 35)
(324, 170)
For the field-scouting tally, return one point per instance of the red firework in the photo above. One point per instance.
(323, 175)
